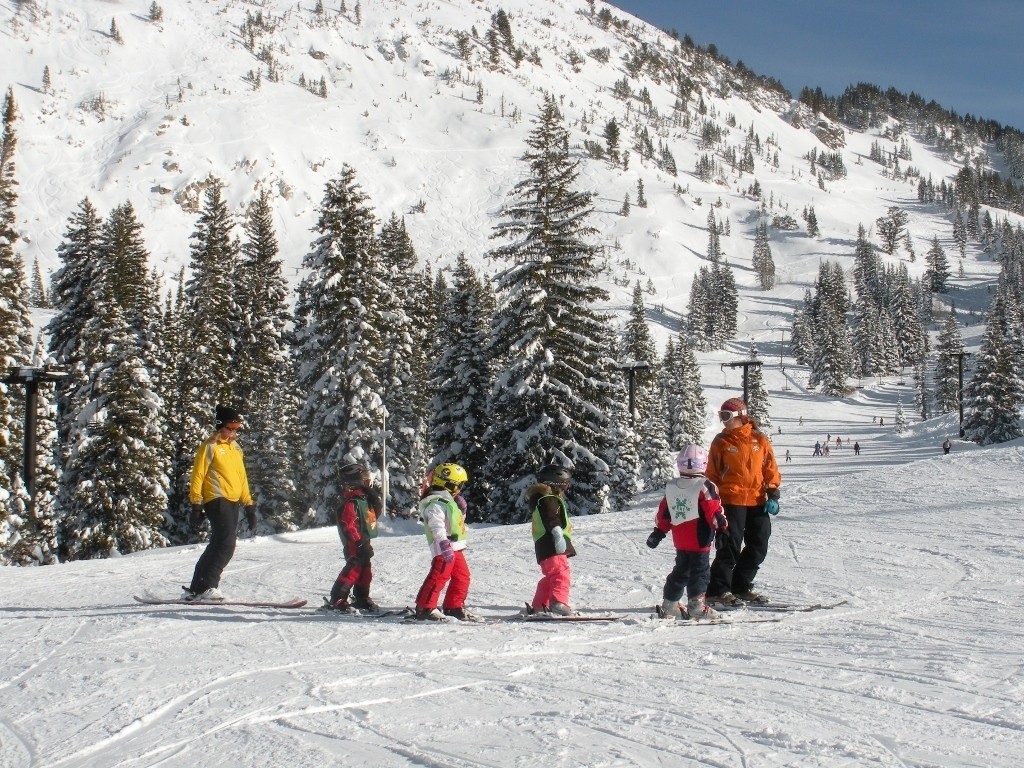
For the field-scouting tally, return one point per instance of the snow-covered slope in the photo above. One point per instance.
(921, 666)
(432, 136)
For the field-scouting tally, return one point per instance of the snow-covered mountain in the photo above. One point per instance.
(142, 110)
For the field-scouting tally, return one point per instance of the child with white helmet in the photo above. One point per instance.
(692, 510)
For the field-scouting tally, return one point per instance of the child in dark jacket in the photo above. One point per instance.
(693, 512)
(357, 524)
(552, 540)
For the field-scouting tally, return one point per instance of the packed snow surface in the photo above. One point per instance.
(920, 666)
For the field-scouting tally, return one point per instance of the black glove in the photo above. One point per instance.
(250, 517)
(655, 538)
(365, 549)
(195, 516)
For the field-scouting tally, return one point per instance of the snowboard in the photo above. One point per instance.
(295, 602)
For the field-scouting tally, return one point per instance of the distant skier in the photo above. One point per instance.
(692, 510)
(839, 442)
(742, 464)
(357, 525)
(444, 524)
(788, 457)
(856, 449)
(552, 540)
(946, 445)
(817, 449)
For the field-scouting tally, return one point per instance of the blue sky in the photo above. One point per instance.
(964, 55)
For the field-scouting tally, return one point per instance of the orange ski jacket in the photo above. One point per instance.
(742, 464)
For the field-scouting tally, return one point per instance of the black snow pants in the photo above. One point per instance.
(223, 516)
(744, 549)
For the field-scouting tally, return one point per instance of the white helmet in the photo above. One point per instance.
(692, 460)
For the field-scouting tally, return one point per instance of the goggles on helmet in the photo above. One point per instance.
(727, 415)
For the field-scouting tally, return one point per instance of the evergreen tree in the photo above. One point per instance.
(637, 345)
(900, 425)
(551, 395)
(763, 263)
(937, 273)
(949, 347)
(266, 385)
(714, 242)
(812, 223)
(339, 341)
(684, 394)
(460, 380)
(992, 396)
(15, 337)
(116, 503)
(757, 396)
(405, 365)
(37, 296)
(890, 228)
(959, 235)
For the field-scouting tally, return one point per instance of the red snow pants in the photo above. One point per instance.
(455, 574)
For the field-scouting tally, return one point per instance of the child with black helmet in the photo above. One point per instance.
(445, 527)
(693, 512)
(552, 540)
(357, 525)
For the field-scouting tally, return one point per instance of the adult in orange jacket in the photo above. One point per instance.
(742, 464)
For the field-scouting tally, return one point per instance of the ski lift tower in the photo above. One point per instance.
(746, 365)
(31, 378)
(631, 367)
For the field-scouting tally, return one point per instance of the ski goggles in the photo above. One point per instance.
(727, 415)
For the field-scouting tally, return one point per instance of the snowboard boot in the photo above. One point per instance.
(698, 609)
(670, 609)
(362, 601)
(726, 598)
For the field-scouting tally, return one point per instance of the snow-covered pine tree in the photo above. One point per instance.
(949, 347)
(700, 311)
(265, 375)
(726, 304)
(15, 337)
(992, 396)
(403, 375)
(900, 425)
(764, 265)
(832, 357)
(460, 380)
(812, 223)
(118, 502)
(684, 394)
(757, 396)
(179, 445)
(637, 345)
(904, 306)
(936, 276)
(37, 291)
(553, 386)
(339, 319)
(75, 291)
(714, 241)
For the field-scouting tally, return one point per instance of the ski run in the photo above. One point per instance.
(920, 665)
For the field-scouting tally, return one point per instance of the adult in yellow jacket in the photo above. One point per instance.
(219, 491)
(742, 464)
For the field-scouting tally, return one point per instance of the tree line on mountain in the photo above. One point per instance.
(501, 374)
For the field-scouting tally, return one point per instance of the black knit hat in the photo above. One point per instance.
(227, 416)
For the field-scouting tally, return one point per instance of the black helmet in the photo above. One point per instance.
(553, 474)
(351, 474)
